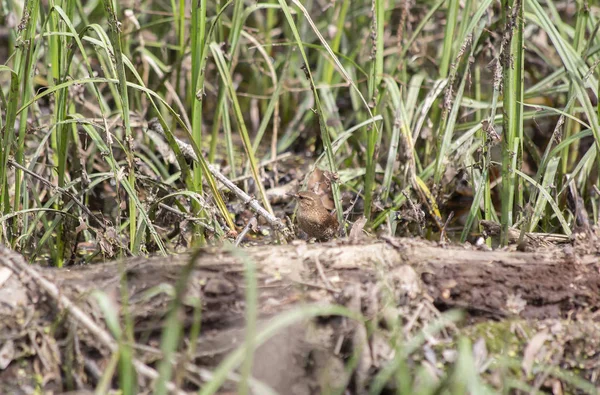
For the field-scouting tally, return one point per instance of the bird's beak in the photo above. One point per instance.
(294, 195)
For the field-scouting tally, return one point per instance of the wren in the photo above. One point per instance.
(314, 218)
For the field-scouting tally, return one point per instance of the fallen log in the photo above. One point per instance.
(389, 278)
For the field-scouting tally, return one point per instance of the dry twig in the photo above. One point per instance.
(188, 152)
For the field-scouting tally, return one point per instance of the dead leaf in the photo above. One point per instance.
(556, 387)
(357, 228)
(316, 182)
(319, 182)
(534, 350)
(515, 303)
(5, 274)
(7, 354)
(82, 226)
(480, 354)
(106, 241)
(253, 224)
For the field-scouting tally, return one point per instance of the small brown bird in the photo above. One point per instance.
(314, 218)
